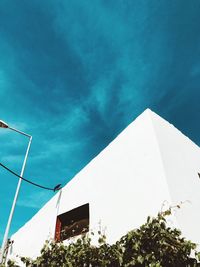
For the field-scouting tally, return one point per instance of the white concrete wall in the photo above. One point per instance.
(181, 159)
(125, 183)
(29, 239)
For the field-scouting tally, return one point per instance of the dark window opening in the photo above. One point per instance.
(199, 174)
(72, 223)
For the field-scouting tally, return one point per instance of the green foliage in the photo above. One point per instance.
(154, 244)
(78, 254)
(10, 263)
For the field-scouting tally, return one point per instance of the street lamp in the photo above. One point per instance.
(5, 238)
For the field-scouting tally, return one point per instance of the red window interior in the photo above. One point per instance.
(72, 223)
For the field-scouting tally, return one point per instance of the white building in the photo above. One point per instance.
(148, 163)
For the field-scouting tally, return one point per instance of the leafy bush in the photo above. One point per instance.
(154, 244)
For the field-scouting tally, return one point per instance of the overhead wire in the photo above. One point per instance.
(57, 187)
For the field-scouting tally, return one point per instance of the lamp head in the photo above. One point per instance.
(3, 124)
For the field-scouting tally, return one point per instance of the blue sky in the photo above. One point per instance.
(74, 74)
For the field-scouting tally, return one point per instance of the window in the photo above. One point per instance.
(72, 223)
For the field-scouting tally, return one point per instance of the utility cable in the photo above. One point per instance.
(57, 187)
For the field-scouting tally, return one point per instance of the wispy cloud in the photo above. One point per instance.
(34, 200)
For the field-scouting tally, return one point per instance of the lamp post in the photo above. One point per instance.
(4, 243)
